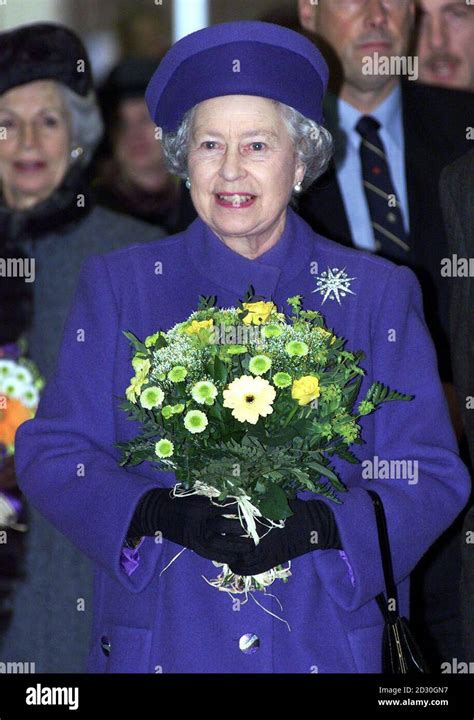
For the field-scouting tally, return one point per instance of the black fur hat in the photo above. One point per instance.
(44, 51)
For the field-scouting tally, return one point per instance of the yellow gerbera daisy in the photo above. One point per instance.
(250, 398)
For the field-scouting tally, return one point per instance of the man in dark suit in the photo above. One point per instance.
(457, 201)
(425, 129)
(393, 137)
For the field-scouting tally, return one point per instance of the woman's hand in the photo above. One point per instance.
(311, 527)
(192, 521)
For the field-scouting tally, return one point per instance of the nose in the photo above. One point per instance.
(375, 13)
(29, 135)
(231, 167)
(436, 31)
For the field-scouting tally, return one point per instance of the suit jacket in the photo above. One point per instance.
(149, 622)
(457, 200)
(434, 122)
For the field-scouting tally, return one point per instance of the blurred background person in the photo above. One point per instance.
(51, 125)
(457, 200)
(131, 174)
(445, 43)
(393, 137)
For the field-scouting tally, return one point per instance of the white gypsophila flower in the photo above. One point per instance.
(182, 352)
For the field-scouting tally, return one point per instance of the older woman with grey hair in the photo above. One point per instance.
(239, 106)
(50, 125)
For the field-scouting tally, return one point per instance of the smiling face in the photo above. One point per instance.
(446, 43)
(355, 29)
(242, 166)
(34, 142)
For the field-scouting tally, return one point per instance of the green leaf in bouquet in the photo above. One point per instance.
(346, 454)
(206, 302)
(274, 504)
(220, 370)
(137, 344)
(350, 392)
(379, 393)
(327, 472)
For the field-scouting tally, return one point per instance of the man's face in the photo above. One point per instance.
(356, 29)
(446, 43)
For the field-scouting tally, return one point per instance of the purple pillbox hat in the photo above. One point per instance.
(238, 58)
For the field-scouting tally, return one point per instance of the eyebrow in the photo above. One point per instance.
(248, 133)
(50, 108)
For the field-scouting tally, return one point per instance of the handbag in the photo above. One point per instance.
(400, 651)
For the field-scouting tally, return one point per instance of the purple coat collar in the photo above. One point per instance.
(226, 268)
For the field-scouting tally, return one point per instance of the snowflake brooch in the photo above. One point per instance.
(333, 284)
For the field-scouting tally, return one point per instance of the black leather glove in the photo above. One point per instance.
(311, 527)
(192, 521)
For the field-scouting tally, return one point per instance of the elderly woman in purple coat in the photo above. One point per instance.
(239, 109)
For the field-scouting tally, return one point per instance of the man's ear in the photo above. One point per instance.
(307, 11)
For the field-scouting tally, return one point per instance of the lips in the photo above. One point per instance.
(443, 68)
(235, 200)
(29, 165)
(375, 45)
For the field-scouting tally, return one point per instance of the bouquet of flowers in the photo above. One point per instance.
(248, 406)
(20, 385)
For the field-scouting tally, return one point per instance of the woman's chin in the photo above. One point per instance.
(28, 194)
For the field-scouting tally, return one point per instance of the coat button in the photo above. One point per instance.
(105, 645)
(249, 643)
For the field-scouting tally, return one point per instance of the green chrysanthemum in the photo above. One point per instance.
(296, 348)
(260, 364)
(177, 374)
(152, 397)
(204, 392)
(168, 410)
(195, 421)
(139, 362)
(270, 331)
(164, 448)
(282, 379)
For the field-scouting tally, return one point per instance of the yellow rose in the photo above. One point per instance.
(197, 325)
(305, 390)
(258, 312)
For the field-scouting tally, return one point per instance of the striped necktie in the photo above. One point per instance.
(384, 207)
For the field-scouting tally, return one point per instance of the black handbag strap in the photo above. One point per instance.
(390, 614)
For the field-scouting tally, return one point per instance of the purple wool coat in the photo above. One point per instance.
(148, 622)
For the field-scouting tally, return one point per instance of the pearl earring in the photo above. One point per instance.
(77, 152)
(188, 183)
(298, 187)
